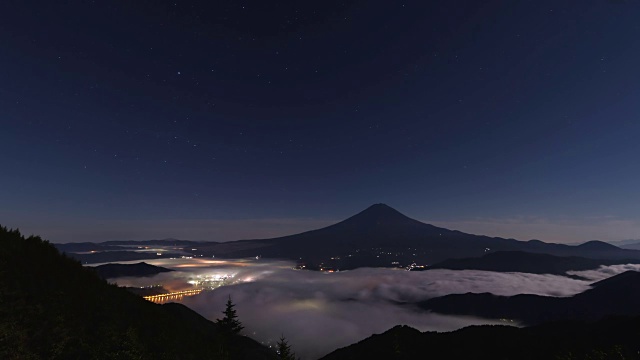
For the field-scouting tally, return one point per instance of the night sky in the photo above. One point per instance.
(221, 120)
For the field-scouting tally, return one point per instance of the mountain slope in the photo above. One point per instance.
(360, 241)
(53, 308)
(614, 338)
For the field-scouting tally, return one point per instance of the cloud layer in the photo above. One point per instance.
(320, 312)
(605, 271)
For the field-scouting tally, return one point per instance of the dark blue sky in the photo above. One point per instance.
(226, 119)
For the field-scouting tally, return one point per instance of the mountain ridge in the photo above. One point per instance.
(520, 261)
(141, 269)
(381, 236)
(611, 338)
(405, 241)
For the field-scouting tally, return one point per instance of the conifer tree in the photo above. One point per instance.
(230, 324)
(284, 350)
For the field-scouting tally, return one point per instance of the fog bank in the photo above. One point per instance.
(319, 312)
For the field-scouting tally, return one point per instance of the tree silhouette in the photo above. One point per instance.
(284, 350)
(230, 324)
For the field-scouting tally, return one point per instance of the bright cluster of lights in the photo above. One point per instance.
(212, 281)
(195, 275)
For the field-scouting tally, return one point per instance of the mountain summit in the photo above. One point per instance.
(376, 236)
(381, 220)
(380, 215)
(378, 212)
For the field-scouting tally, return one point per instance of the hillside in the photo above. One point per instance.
(613, 338)
(53, 308)
(108, 271)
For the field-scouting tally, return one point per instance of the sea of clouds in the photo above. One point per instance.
(319, 312)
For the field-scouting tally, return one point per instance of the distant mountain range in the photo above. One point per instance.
(624, 243)
(382, 236)
(379, 236)
(519, 261)
(119, 255)
(632, 246)
(618, 295)
(163, 242)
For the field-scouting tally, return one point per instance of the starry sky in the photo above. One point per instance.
(221, 120)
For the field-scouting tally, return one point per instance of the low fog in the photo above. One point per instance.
(605, 271)
(319, 312)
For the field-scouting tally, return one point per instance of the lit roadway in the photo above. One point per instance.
(178, 295)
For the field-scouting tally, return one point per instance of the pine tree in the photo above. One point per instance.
(230, 324)
(284, 350)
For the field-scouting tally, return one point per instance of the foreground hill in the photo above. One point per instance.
(618, 295)
(519, 261)
(53, 308)
(613, 338)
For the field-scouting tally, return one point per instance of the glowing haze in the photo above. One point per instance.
(344, 307)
